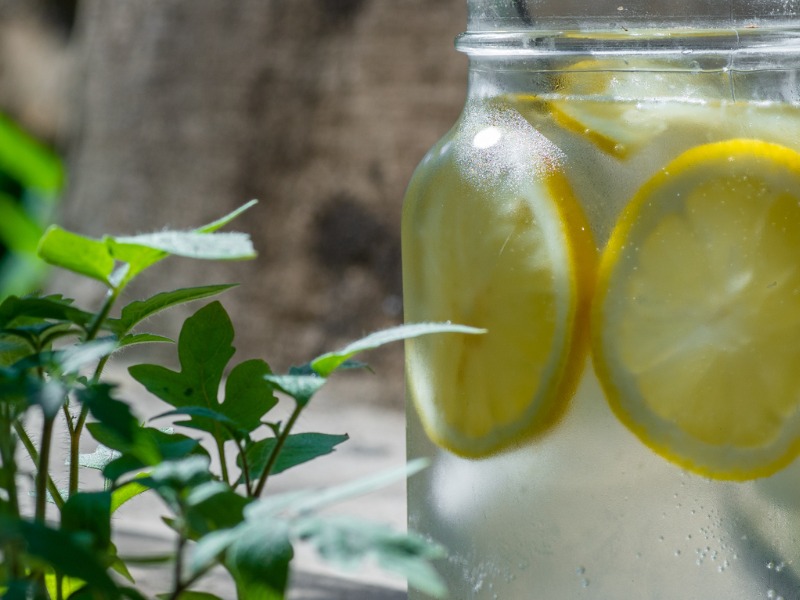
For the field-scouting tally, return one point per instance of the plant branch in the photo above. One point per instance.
(34, 454)
(276, 450)
(43, 468)
(245, 469)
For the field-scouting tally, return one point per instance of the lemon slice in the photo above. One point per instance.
(696, 319)
(516, 259)
(620, 108)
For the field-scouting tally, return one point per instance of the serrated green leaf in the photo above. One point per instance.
(204, 349)
(299, 448)
(76, 253)
(327, 363)
(299, 387)
(139, 310)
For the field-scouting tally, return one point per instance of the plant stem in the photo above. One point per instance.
(222, 463)
(42, 472)
(276, 450)
(177, 577)
(100, 317)
(245, 469)
(75, 450)
(34, 454)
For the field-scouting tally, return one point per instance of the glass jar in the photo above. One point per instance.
(618, 207)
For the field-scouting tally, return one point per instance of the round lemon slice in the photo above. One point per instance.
(696, 319)
(516, 258)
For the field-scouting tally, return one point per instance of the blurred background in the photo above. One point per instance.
(174, 112)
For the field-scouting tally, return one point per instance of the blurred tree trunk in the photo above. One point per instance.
(319, 108)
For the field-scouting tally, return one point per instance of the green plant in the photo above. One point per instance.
(52, 360)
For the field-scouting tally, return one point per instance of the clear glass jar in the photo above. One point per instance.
(618, 207)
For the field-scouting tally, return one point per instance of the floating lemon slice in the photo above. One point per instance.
(696, 320)
(620, 108)
(517, 260)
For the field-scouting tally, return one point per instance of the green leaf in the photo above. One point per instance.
(299, 387)
(221, 222)
(143, 338)
(150, 447)
(348, 542)
(192, 244)
(139, 310)
(58, 549)
(50, 395)
(327, 363)
(212, 506)
(114, 415)
(15, 310)
(201, 414)
(89, 513)
(258, 559)
(126, 492)
(299, 448)
(204, 349)
(76, 253)
(248, 395)
(314, 500)
(74, 358)
(98, 459)
(28, 160)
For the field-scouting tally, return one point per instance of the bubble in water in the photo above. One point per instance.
(584, 583)
(771, 594)
(770, 565)
(580, 570)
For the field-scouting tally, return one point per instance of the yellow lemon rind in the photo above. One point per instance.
(543, 417)
(717, 151)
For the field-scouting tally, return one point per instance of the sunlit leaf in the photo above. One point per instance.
(327, 363)
(76, 253)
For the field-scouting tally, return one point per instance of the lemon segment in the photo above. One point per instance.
(696, 318)
(517, 259)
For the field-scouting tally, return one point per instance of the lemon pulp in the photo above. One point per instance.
(512, 255)
(697, 312)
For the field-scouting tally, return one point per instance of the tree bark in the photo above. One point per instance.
(321, 109)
